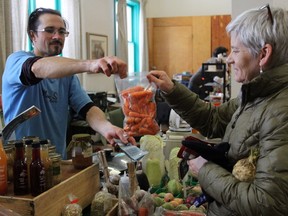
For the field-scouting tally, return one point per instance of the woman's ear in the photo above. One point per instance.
(266, 53)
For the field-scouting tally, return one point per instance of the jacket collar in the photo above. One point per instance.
(265, 84)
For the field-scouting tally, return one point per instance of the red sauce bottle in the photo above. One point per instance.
(37, 171)
(3, 169)
(20, 171)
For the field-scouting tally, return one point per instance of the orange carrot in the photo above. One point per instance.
(135, 114)
(141, 94)
(126, 109)
(136, 107)
(146, 131)
(125, 92)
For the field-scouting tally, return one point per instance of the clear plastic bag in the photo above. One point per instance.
(73, 208)
(137, 97)
(102, 202)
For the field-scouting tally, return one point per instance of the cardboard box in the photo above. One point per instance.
(82, 183)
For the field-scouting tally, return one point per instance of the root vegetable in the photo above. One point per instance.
(245, 169)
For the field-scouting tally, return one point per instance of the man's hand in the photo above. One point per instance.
(108, 66)
(113, 132)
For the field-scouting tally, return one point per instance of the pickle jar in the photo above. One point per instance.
(81, 151)
(56, 168)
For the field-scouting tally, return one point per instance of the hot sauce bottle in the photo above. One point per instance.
(3, 169)
(20, 171)
(44, 154)
(37, 171)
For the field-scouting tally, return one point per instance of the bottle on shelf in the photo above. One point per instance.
(47, 162)
(20, 171)
(28, 156)
(37, 171)
(3, 169)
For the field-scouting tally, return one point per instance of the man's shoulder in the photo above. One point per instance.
(20, 54)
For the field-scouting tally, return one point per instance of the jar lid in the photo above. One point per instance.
(19, 144)
(28, 142)
(81, 137)
(54, 155)
(33, 138)
(36, 145)
(44, 142)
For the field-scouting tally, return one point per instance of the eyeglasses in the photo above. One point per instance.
(53, 31)
(269, 12)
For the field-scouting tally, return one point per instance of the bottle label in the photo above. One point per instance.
(56, 170)
(42, 179)
(23, 180)
(2, 174)
(87, 152)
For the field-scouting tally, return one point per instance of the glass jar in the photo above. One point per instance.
(56, 167)
(81, 151)
(9, 150)
(51, 149)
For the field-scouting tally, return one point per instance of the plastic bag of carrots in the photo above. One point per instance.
(138, 104)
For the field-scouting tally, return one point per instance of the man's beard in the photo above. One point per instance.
(55, 51)
(55, 48)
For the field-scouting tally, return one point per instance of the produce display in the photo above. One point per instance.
(173, 202)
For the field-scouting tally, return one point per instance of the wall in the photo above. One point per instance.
(97, 16)
(174, 8)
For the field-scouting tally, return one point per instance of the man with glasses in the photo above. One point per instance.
(255, 124)
(48, 81)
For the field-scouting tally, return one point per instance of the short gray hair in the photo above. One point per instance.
(254, 29)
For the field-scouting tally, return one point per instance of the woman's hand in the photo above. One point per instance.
(162, 80)
(195, 165)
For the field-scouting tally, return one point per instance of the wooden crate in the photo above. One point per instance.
(82, 183)
(114, 210)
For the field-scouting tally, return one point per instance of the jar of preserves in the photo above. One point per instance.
(81, 151)
(56, 167)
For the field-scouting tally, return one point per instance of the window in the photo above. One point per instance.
(133, 10)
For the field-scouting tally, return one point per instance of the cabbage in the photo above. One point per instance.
(173, 163)
(155, 158)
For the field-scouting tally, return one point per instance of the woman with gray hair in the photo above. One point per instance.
(257, 120)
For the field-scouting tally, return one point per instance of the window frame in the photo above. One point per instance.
(134, 5)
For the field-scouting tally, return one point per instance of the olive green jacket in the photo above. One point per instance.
(258, 118)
